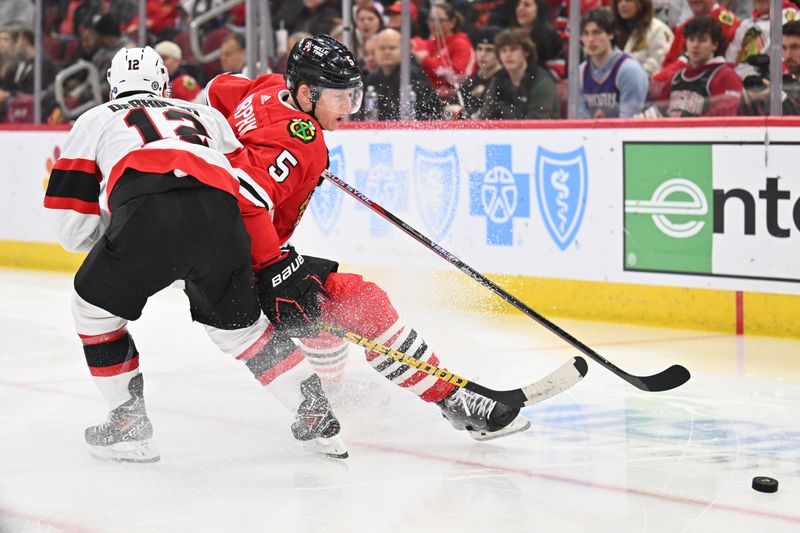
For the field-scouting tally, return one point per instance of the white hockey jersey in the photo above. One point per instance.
(142, 132)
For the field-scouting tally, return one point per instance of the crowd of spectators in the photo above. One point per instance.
(470, 59)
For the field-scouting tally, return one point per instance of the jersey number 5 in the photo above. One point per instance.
(139, 118)
(280, 170)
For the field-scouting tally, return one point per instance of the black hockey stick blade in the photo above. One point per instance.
(554, 383)
(670, 378)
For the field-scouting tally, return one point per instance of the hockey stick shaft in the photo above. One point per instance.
(556, 382)
(670, 378)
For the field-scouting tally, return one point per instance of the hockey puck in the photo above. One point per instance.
(765, 484)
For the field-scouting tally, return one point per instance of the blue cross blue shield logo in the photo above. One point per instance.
(383, 184)
(437, 179)
(327, 202)
(500, 195)
(561, 185)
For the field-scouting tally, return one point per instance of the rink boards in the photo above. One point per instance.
(645, 222)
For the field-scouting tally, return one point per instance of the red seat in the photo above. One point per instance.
(183, 42)
(211, 42)
(52, 47)
(20, 109)
(69, 49)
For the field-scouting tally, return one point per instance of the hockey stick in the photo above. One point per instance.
(554, 383)
(672, 377)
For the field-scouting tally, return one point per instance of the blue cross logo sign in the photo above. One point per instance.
(382, 183)
(500, 195)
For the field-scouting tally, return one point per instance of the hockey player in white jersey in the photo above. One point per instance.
(143, 185)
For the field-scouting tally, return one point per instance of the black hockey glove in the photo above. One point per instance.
(290, 296)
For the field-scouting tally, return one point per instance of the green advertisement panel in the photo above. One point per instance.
(668, 213)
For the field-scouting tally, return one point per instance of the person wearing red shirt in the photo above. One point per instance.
(162, 15)
(726, 20)
(447, 57)
(182, 85)
(280, 122)
(707, 85)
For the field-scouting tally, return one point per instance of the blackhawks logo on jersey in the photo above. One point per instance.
(726, 17)
(189, 83)
(302, 129)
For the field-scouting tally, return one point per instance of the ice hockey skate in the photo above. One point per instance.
(315, 425)
(485, 419)
(126, 434)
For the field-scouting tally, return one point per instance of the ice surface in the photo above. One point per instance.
(603, 457)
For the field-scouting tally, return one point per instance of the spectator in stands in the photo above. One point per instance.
(707, 86)
(76, 92)
(18, 77)
(89, 44)
(394, 18)
(752, 36)
(182, 85)
(612, 83)
(521, 89)
(294, 38)
(500, 13)
(385, 82)
(726, 20)
(474, 89)
(756, 92)
(642, 36)
(110, 41)
(791, 60)
(318, 16)
(76, 15)
(533, 16)
(233, 53)
(368, 23)
(369, 63)
(22, 71)
(447, 58)
(8, 41)
(16, 14)
(8, 59)
(162, 17)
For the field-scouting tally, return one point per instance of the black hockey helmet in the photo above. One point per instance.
(322, 61)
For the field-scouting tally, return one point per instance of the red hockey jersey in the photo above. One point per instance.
(284, 154)
(142, 132)
(726, 21)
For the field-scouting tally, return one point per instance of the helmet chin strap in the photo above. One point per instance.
(300, 107)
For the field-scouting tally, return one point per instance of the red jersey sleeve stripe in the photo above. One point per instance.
(72, 204)
(81, 165)
(73, 184)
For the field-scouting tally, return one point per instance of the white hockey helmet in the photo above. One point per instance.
(137, 70)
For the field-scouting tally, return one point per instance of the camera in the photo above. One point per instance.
(760, 67)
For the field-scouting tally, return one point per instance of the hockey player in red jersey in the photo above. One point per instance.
(143, 185)
(280, 122)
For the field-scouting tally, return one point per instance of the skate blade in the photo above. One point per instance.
(518, 425)
(126, 452)
(331, 447)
